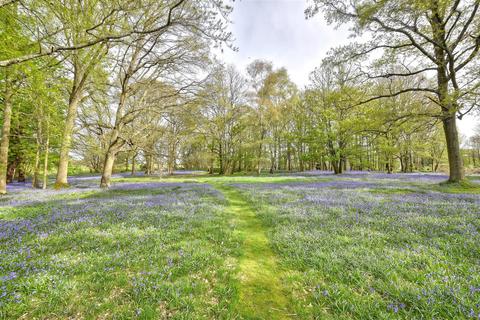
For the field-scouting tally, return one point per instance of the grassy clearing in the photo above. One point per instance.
(268, 247)
(215, 179)
(353, 254)
(261, 292)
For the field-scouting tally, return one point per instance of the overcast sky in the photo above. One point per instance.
(276, 30)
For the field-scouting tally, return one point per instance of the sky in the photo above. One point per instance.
(276, 30)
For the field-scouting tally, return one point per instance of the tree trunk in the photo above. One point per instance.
(21, 175)
(45, 163)
(390, 164)
(36, 169)
(133, 164)
(62, 172)
(448, 101)
(150, 164)
(289, 158)
(455, 161)
(336, 167)
(11, 170)
(341, 165)
(107, 169)
(172, 159)
(147, 164)
(5, 140)
(220, 159)
(259, 160)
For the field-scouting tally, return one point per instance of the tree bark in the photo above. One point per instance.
(21, 175)
(5, 140)
(336, 167)
(36, 170)
(45, 163)
(220, 159)
(260, 149)
(172, 158)
(107, 169)
(289, 157)
(133, 164)
(447, 100)
(455, 161)
(62, 173)
(11, 170)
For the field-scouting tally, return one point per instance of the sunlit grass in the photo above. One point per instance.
(360, 253)
(146, 253)
(212, 247)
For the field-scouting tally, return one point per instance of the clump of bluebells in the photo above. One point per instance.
(375, 246)
(137, 250)
(395, 178)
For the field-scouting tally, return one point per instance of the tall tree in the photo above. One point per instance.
(258, 71)
(430, 36)
(157, 67)
(12, 42)
(332, 99)
(74, 19)
(223, 114)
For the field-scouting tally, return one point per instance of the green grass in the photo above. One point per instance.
(247, 247)
(262, 295)
(123, 259)
(390, 261)
(465, 186)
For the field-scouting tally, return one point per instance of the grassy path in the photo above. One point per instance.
(261, 291)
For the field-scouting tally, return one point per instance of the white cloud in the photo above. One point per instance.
(278, 31)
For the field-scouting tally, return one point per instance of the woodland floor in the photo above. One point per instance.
(300, 246)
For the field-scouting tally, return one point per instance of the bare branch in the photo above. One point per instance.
(104, 39)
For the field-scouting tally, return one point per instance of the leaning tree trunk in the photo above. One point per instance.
(113, 148)
(5, 140)
(107, 169)
(62, 173)
(455, 161)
